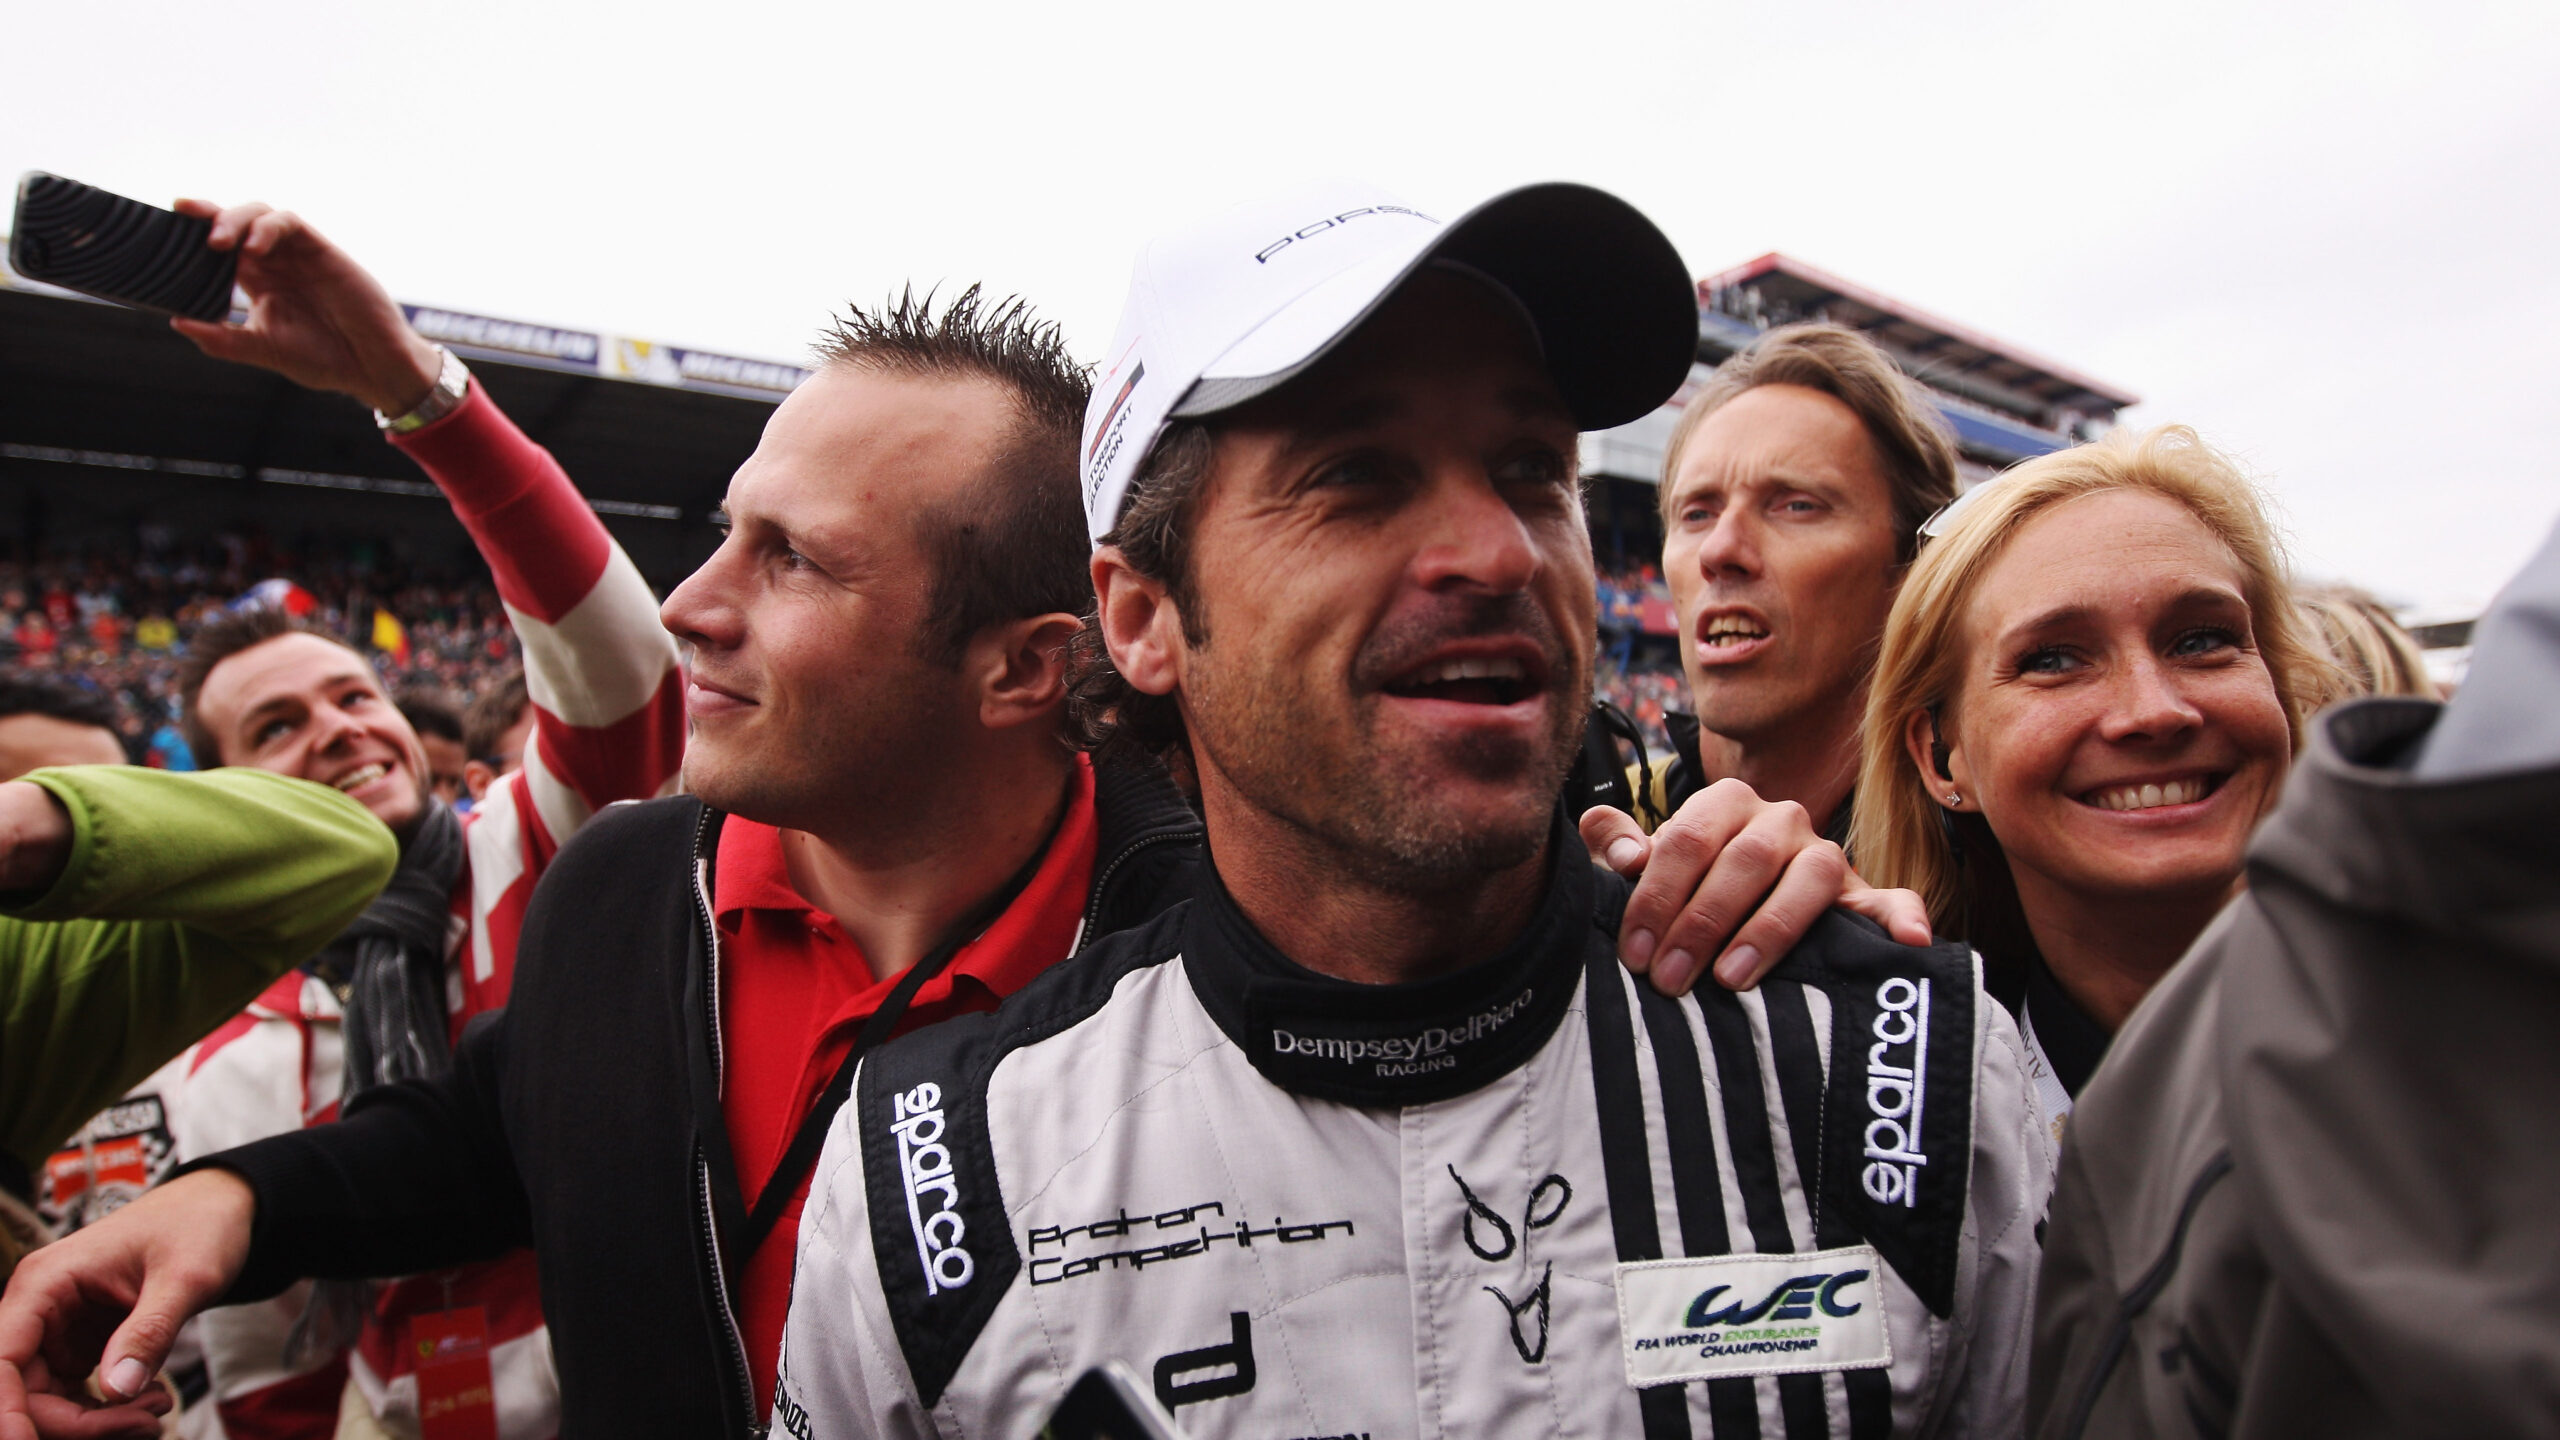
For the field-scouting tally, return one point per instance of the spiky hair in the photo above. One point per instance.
(1013, 545)
(994, 340)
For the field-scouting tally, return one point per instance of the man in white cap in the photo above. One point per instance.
(1373, 1134)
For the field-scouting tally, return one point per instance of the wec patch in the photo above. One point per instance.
(1720, 1315)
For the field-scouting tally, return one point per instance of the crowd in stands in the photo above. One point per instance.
(115, 619)
(1646, 693)
(1641, 679)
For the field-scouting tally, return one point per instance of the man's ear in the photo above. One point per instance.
(477, 777)
(1021, 668)
(1937, 759)
(1141, 624)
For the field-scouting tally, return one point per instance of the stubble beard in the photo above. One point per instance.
(874, 764)
(1375, 811)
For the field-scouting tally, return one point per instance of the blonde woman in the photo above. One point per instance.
(2088, 693)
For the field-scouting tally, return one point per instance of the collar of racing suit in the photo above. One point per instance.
(1393, 1045)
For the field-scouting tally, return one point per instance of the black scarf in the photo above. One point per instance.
(388, 970)
(390, 964)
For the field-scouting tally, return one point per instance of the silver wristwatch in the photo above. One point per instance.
(453, 381)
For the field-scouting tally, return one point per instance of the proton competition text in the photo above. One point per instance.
(1895, 1093)
(1050, 1269)
(925, 1163)
(1418, 1053)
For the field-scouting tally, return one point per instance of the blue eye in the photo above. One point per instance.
(2202, 642)
(2049, 660)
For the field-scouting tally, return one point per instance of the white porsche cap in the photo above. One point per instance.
(1226, 310)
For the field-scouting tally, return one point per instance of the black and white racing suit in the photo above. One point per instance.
(1532, 1198)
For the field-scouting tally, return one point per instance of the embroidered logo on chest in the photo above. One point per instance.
(1752, 1315)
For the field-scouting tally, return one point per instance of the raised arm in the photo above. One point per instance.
(145, 909)
(601, 671)
(600, 668)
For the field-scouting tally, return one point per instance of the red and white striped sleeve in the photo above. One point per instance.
(608, 702)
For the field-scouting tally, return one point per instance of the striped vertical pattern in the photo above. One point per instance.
(1689, 1133)
(1625, 1161)
(1799, 1049)
(1740, 1083)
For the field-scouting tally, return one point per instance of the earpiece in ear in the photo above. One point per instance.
(1938, 747)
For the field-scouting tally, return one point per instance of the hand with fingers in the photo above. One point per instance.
(1733, 877)
(316, 317)
(102, 1307)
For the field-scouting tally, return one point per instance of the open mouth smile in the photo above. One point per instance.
(2154, 795)
(1473, 680)
(361, 776)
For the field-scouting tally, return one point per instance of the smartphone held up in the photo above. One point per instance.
(103, 245)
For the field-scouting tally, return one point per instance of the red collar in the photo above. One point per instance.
(1034, 932)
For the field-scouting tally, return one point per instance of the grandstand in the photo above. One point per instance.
(2001, 402)
(144, 487)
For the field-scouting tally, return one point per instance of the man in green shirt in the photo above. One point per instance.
(139, 909)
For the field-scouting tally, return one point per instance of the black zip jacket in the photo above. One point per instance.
(584, 1120)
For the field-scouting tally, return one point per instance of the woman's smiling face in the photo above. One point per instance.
(2114, 720)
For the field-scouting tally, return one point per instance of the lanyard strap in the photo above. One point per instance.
(811, 1137)
(2055, 1100)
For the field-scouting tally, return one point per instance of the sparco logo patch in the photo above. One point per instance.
(1418, 1053)
(1897, 1094)
(1314, 228)
(1752, 1315)
(933, 1192)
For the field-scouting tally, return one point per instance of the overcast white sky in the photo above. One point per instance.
(2322, 232)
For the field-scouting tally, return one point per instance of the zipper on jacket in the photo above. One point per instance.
(728, 1316)
(1101, 883)
(2138, 1300)
(741, 1374)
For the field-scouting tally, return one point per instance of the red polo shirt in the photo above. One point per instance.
(795, 989)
